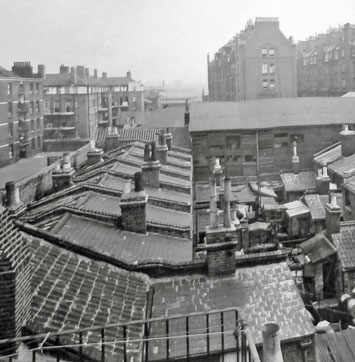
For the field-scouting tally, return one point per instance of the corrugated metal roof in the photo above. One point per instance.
(270, 113)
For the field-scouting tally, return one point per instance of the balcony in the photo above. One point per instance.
(47, 112)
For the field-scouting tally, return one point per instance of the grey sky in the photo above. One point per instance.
(156, 39)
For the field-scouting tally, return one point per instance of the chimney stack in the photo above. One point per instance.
(295, 159)
(73, 75)
(80, 72)
(168, 138)
(41, 70)
(87, 73)
(13, 201)
(95, 73)
(271, 343)
(162, 149)
(217, 171)
(347, 139)
(104, 75)
(332, 216)
(63, 69)
(94, 154)
(62, 175)
(323, 181)
(133, 207)
(213, 204)
(151, 166)
(129, 75)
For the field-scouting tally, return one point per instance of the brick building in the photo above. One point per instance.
(325, 63)
(21, 112)
(245, 135)
(258, 63)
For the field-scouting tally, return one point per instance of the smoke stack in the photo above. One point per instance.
(133, 207)
(271, 343)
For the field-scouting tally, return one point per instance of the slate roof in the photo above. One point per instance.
(261, 294)
(329, 155)
(345, 244)
(305, 180)
(270, 113)
(4, 73)
(336, 346)
(316, 204)
(343, 167)
(318, 248)
(122, 245)
(70, 292)
(296, 208)
(349, 183)
(52, 80)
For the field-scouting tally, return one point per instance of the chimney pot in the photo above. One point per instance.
(12, 195)
(271, 343)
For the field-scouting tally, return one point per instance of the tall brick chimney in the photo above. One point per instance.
(347, 139)
(162, 149)
(73, 75)
(133, 207)
(187, 113)
(112, 140)
(151, 166)
(62, 175)
(80, 71)
(15, 282)
(221, 241)
(41, 70)
(332, 216)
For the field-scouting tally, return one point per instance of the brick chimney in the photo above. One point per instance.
(94, 154)
(129, 75)
(15, 282)
(347, 139)
(162, 149)
(295, 159)
(95, 73)
(221, 241)
(41, 70)
(63, 69)
(323, 181)
(13, 202)
(151, 166)
(168, 138)
(80, 71)
(271, 343)
(23, 69)
(73, 75)
(87, 73)
(218, 172)
(62, 175)
(104, 75)
(332, 216)
(112, 140)
(133, 207)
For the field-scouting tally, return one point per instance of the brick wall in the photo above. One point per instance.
(220, 262)
(133, 217)
(15, 279)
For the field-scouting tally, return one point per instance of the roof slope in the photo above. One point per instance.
(270, 113)
(345, 243)
(256, 292)
(70, 292)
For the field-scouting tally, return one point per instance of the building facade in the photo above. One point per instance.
(325, 63)
(21, 112)
(258, 63)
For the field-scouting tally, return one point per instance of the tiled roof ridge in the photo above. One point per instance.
(112, 153)
(101, 165)
(65, 243)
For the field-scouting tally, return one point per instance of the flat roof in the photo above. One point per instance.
(270, 113)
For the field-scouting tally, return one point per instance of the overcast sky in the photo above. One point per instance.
(158, 40)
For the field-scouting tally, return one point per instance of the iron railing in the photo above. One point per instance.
(207, 335)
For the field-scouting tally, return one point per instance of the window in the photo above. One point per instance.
(9, 109)
(271, 52)
(343, 83)
(32, 125)
(37, 107)
(264, 68)
(342, 52)
(38, 126)
(272, 68)
(31, 88)
(33, 143)
(265, 84)
(272, 83)
(250, 158)
(9, 89)
(32, 105)
(39, 141)
(37, 88)
(326, 57)
(263, 51)
(347, 198)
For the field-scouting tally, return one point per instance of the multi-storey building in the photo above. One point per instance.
(72, 99)
(257, 63)
(21, 112)
(325, 63)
